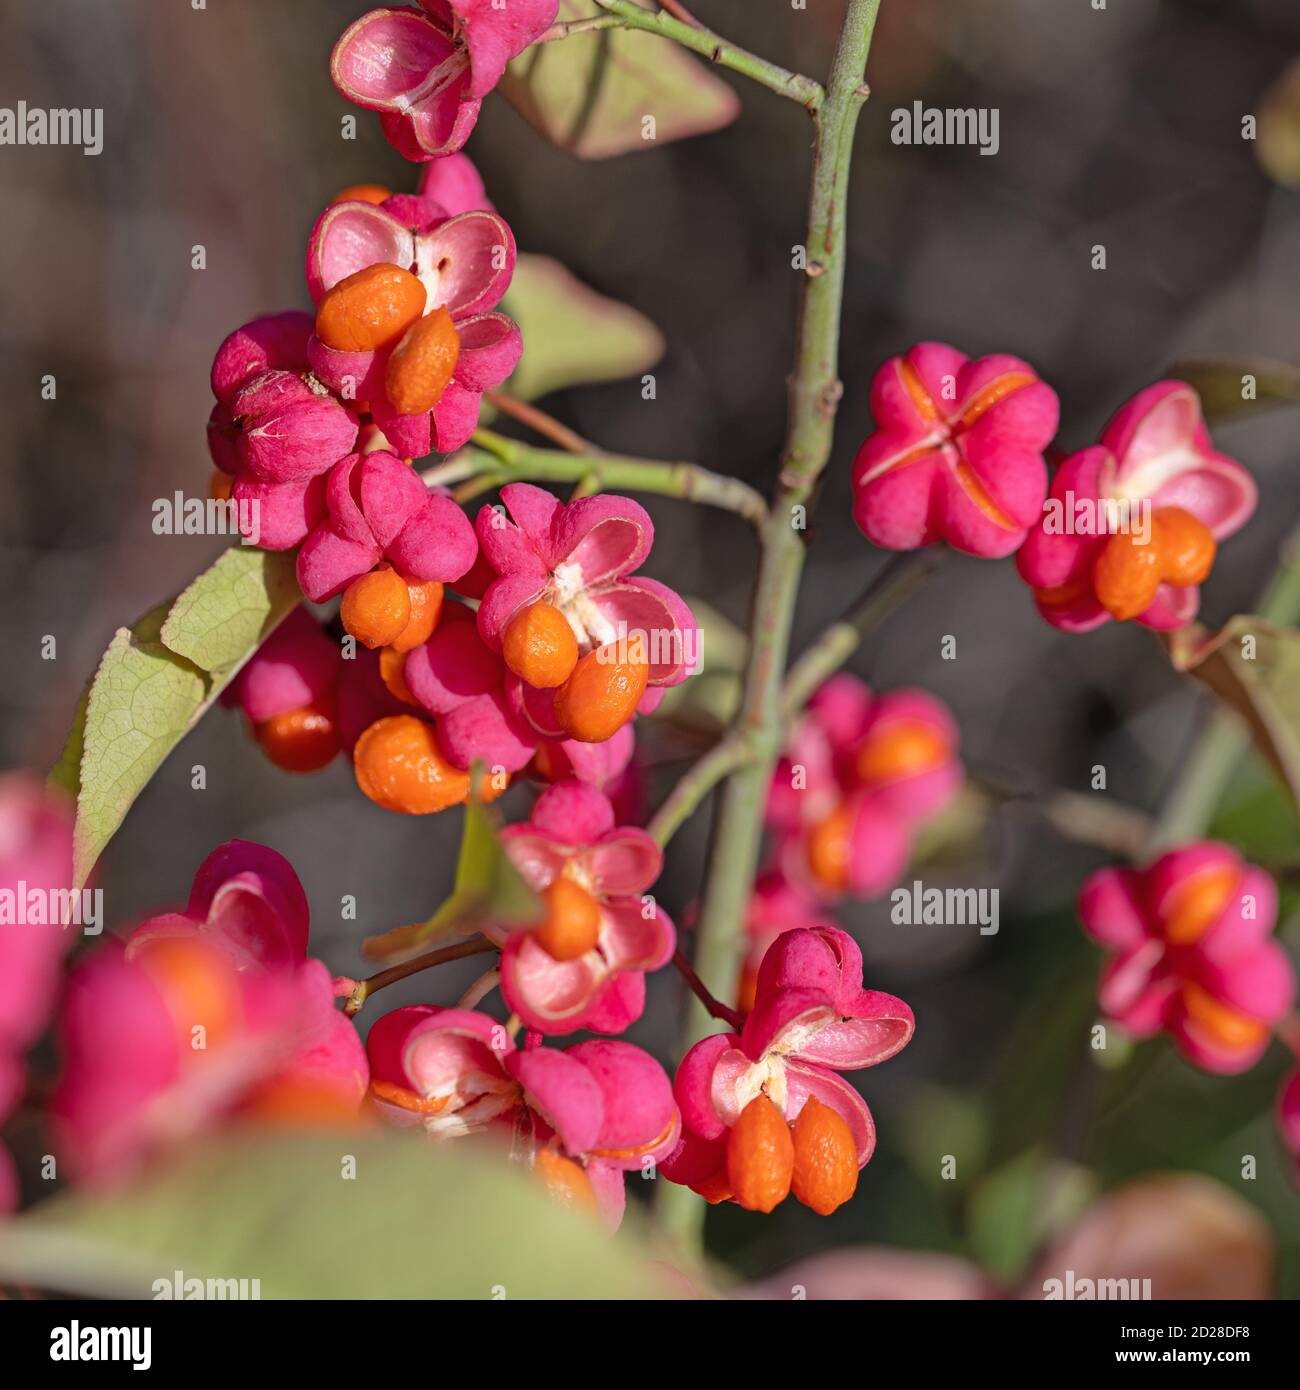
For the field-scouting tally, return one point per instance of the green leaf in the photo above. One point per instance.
(1220, 384)
(591, 93)
(1254, 667)
(573, 336)
(157, 679)
(414, 1221)
(488, 890)
(1000, 1215)
(941, 1121)
(711, 698)
(222, 617)
(1277, 142)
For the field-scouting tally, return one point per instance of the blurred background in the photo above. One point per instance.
(1120, 127)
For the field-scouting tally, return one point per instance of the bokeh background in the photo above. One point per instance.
(1120, 127)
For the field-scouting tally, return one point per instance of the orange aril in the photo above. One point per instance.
(600, 696)
(288, 1104)
(392, 1094)
(1180, 551)
(566, 1182)
(1058, 595)
(539, 646)
(1222, 1024)
(1126, 575)
(904, 748)
(301, 740)
(1185, 544)
(830, 849)
(572, 922)
(377, 607)
(363, 193)
(422, 364)
(370, 309)
(825, 1158)
(198, 987)
(747, 990)
(426, 608)
(1193, 907)
(715, 1189)
(760, 1156)
(219, 486)
(392, 671)
(399, 766)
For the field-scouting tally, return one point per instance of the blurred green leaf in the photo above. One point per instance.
(956, 835)
(415, 1221)
(591, 94)
(1022, 1205)
(488, 890)
(573, 336)
(710, 699)
(1259, 817)
(157, 679)
(942, 1123)
(1220, 385)
(1254, 667)
(1277, 141)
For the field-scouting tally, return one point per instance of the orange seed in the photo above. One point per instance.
(301, 740)
(400, 767)
(426, 608)
(566, 1182)
(572, 922)
(377, 607)
(422, 363)
(905, 748)
(1186, 546)
(362, 193)
(392, 671)
(825, 1158)
(830, 849)
(539, 646)
(760, 1156)
(370, 309)
(600, 696)
(1126, 575)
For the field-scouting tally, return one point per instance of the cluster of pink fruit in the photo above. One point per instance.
(216, 1015)
(527, 642)
(317, 422)
(1132, 525)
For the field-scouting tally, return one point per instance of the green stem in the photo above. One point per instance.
(886, 591)
(815, 391)
(681, 803)
(718, 50)
(1224, 740)
(501, 460)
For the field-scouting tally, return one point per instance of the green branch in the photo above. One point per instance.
(626, 15)
(684, 799)
(497, 460)
(814, 396)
